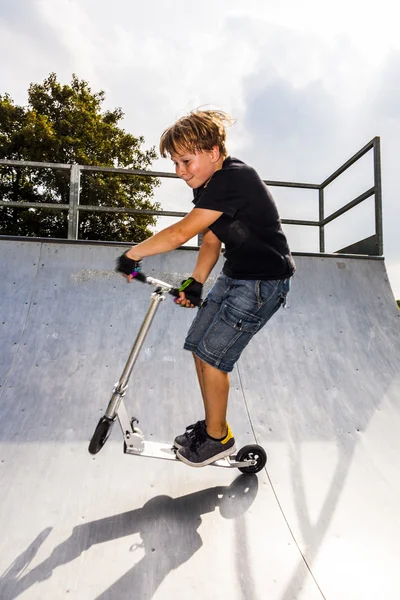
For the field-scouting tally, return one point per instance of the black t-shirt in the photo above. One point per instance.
(250, 227)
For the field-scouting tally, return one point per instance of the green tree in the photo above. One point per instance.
(67, 124)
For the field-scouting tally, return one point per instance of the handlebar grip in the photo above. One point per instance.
(193, 299)
(139, 276)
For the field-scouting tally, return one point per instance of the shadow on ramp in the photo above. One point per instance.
(168, 530)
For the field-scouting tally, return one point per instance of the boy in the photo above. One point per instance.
(233, 206)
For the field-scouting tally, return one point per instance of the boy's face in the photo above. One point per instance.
(196, 168)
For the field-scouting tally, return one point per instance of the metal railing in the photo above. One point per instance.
(74, 207)
(375, 190)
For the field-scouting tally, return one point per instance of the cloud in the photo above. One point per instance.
(282, 120)
(32, 47)
(387, 97)
(20, 16)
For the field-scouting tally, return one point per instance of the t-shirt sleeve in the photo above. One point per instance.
(220, 194)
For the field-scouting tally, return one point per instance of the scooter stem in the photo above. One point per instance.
(120, 387)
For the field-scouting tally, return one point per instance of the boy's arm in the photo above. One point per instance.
(209, 253)
(174, 236)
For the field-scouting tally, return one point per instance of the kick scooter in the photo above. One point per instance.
(250, 459)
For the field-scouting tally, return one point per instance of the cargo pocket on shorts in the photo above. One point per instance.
(230, 334)
(240, 320)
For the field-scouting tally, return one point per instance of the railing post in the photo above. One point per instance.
(73, 212)
(321, 220)
(378, 194)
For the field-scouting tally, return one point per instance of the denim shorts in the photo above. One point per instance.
(234, 310)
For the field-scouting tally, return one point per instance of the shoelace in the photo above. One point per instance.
(197, 437)
(192, 430)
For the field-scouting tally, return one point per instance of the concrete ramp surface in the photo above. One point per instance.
(318, 388)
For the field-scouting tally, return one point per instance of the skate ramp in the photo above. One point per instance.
(319, 388)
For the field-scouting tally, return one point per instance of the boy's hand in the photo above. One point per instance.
(128, 266)
(189, 289)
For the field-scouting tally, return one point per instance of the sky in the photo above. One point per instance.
(309, 83)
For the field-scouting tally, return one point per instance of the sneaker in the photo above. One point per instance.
(203, 450)
(181, 441)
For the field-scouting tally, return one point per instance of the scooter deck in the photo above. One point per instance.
(168, 452)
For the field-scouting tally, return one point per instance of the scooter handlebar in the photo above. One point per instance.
(165, 287)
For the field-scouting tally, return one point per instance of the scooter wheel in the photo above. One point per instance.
(101, 435)
(252, 452)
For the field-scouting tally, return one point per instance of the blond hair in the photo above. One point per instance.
(199, 131)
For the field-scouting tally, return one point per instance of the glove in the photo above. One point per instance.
(128, 266)
(192, 289)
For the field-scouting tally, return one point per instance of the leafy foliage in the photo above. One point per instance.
(66, 124)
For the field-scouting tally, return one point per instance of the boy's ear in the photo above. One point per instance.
(215, 153)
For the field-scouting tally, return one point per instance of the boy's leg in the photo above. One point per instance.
(214, 385)
(215, 441)
(235, 311)
(215, 403)
(199, 372)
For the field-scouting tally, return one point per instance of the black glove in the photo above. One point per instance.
(192, 289)
(128, 266)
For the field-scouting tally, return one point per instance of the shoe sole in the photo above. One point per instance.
(210, 460)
